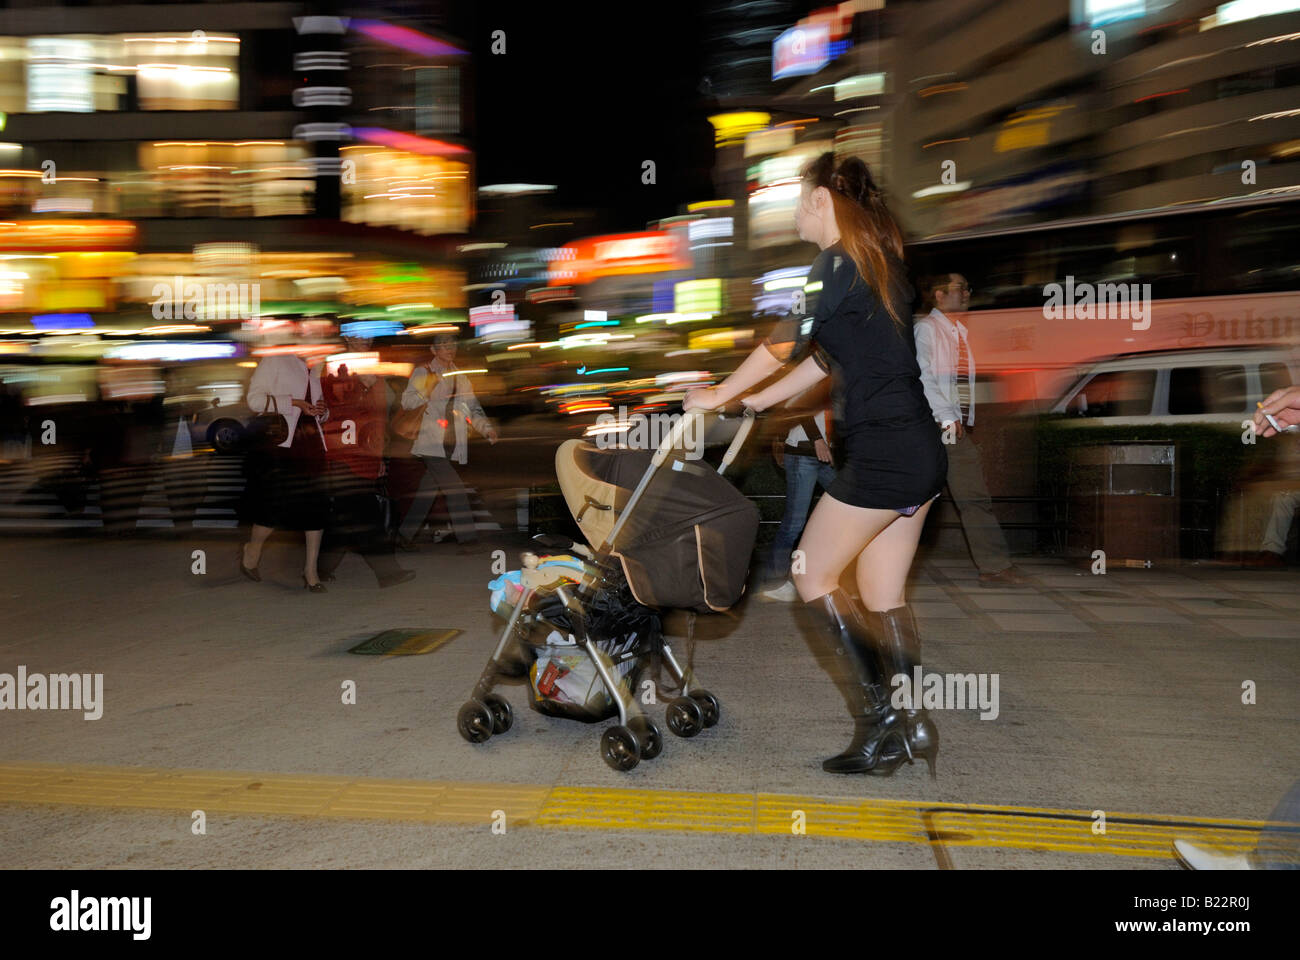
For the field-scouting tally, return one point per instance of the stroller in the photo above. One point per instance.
(583, 623)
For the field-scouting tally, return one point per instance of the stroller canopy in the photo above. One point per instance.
(687, 542)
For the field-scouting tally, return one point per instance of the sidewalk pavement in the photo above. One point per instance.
(1121, 693)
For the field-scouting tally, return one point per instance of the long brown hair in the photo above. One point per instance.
(867, 228)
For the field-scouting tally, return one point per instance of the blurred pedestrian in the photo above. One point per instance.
(806, 458)
(948, 375)
(1285, 486)
(1278, 846)
(124, 449)
(356, 441)
(287, 482)
(449, 405)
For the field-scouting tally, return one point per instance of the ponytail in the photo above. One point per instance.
(867, 228)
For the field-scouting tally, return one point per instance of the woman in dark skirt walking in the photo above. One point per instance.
(287, 486)
(894, 463)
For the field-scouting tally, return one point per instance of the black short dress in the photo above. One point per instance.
(891, 451)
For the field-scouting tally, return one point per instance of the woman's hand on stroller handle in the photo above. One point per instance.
(703, 400)
(700, 398)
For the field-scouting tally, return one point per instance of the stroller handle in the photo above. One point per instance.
(738, 441)
(674, 436)
(662, 454)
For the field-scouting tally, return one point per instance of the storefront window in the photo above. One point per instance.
(410, 191)
(152, 71)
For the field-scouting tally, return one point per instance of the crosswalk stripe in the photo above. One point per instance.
(204, 488)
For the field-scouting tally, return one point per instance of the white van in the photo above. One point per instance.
(1219, 386)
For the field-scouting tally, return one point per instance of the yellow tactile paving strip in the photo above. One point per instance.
(273, 794)
(598, 808)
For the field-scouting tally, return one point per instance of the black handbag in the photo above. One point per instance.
(270, 429)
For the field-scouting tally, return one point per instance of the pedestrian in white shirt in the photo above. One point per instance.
(443, 438)
(948, 375)
(287, 484)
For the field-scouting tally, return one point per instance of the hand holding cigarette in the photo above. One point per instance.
(1281, 409)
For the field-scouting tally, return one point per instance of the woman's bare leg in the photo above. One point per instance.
(313, 552)
(836, 533)
(253, 549)
(884, 563)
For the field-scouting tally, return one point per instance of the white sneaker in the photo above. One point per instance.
(786, 593)
(1198, 859)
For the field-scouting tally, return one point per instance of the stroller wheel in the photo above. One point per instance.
(652, 743)
(684, 716)
(620, 748)
(709, 706)
(503, 717)
(474, 721)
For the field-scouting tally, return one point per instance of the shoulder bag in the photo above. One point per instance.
(270, 429)
(406, 423)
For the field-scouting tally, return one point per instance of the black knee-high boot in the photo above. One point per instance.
(879, 731)
(900, 645)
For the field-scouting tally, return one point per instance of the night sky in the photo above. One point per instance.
(581, 100)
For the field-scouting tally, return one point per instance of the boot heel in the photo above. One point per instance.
(907, 746)
(931, 759)
(874, 723)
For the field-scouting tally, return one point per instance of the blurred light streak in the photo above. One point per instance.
(731, 128)
(405, 38)
(427, 328)
(584, 406)
(56, 398)
(678, 378)
(300, 349)
(785, 283)
(49, 322)
(1166, 93)
(409, 142)
(171, 351)
(515, 189)
(942, 88)
(1281, 37)
(942, 188)
(600, 429)
(1280, 115)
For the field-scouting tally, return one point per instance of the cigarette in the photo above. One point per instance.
(1268, 416)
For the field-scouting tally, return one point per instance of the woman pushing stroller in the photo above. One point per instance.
(894, 463)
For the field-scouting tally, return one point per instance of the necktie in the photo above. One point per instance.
(963, 379)
(449, 412)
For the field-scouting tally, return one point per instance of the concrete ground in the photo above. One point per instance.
(1120, 693)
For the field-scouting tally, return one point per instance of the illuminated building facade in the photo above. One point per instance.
(322, 158)
(1071, 107)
